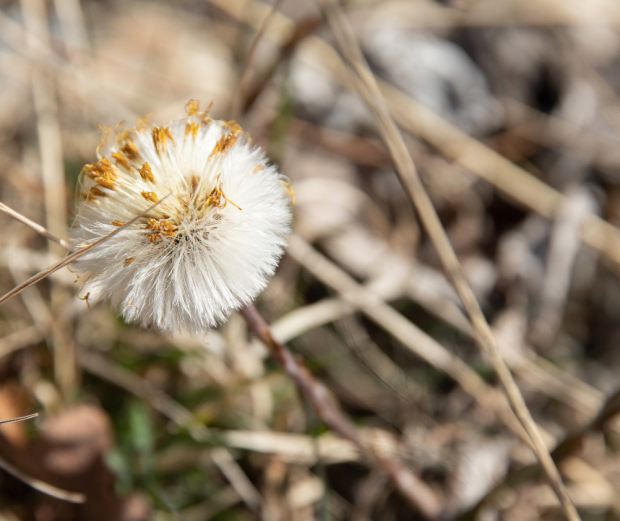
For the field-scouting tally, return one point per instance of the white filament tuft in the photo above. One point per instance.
(208, 248)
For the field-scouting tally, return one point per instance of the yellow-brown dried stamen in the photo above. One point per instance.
(85, 298)
(128, 261)
(146, 173)
(121, 135)
(150, 196)
(105, 131)
(121, 160)
(233, 126)
(102, 172)
(142, 123)
(117, 223)
(165, 228)
(192, 128)
(129, 149)
(94, 191)
(224, 143)
(192, 107)
(215, 198)
(160, 136)
(286, 184)
(257, 168)
(162, 227)
(154, 238)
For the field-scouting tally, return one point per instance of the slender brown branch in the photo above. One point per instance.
(300, 32)
(369, 90)
(412, 488)
(238, 99)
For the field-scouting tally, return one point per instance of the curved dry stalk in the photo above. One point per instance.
(411, 487)
(31, 224)
(41, 486)
(410, 179)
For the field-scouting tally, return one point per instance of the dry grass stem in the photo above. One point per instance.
(21, 418)
(41, 486)
(48, 127)
(369, 90)
(36, 227)
(535, 370)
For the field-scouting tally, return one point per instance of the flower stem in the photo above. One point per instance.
(410, 486)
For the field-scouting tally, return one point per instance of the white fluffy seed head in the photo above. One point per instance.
(208, 248)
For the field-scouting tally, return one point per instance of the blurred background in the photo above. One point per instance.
(510, 110)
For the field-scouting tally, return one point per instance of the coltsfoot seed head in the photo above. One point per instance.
(207, 248)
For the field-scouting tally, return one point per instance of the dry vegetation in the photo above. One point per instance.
(510, 113)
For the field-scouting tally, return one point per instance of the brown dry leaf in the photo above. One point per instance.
(69, 453)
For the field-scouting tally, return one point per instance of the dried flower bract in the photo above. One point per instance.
(207, 248)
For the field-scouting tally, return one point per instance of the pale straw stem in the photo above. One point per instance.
(407, 172)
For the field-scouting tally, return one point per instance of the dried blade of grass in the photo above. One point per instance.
(494, 168)
(68, 260)
(407, 172)
(41, 486)
(31, 224)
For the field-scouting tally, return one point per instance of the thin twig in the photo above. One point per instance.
(412, 488)
(31, 224)
(20, 419)
(74, 256)
(407, 172)
(238, 99)
(41, 486)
